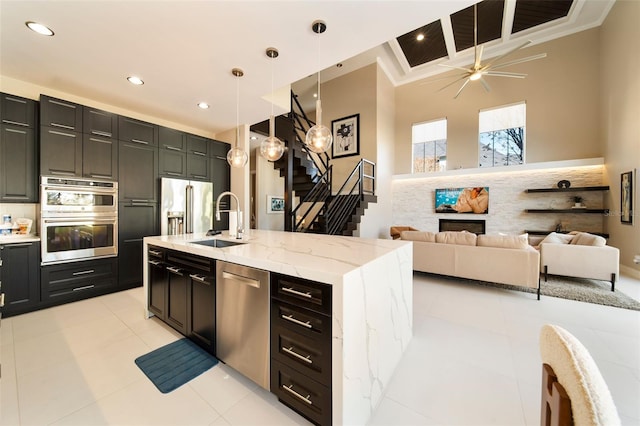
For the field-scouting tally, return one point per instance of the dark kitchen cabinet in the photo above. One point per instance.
(137, 131)
(99, 157)
(198, 145)
(60, 114)
(135, 221)
(138, 172)
(198, 167)
(177, 296)
(60, 152)
(202, 303)
(157, 275)
(68, 282)
(172, 139)
(301, 346)
(172, 164)
(100, 123)
(221, 178)
(18, 165)
(17, 111)
(20, 277)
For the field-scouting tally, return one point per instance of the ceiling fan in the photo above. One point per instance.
(479, 70)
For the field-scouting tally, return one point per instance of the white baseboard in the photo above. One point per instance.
(626, 270)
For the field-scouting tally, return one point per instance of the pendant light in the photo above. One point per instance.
(237, 157)
(318, 137)
(272, 148)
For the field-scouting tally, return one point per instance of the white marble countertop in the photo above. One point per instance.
(17, 238)
(323, 258)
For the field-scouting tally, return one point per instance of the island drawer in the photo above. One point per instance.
(305, 396)
(156, 253)
(308, 294)
(311, 357)
(304, 321)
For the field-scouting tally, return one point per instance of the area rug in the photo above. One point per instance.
(580, 289)
(173, 365)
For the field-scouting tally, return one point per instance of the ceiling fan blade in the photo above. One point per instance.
(455, 68)
(508, 53)
(505, 74)
(454, 82)
(518, 61)
(434, 79)
(462, 87)
(485, 85)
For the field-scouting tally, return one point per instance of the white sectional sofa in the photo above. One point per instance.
(581, 255)
(495, 258)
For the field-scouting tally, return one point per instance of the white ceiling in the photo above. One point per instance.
(185, 50)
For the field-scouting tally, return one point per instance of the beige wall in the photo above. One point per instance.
(268, 182)
(619, 63)
(561, 92)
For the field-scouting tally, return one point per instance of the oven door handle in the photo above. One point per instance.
(80, 220)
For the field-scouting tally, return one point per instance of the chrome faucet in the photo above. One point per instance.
(240, 230)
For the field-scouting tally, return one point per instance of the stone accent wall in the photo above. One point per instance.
(414, 199)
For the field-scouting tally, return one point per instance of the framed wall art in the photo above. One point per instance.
(275, 204)
(626, 197)
(346, 136)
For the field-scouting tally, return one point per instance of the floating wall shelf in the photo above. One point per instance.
(574, 211)
(576, 189)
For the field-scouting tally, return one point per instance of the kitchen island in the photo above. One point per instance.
(371, 301)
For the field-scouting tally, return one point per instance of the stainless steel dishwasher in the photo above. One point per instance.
(242, 320)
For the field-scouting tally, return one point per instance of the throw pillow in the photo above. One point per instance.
(454, 237)
(425, 236)
(556, 238)
(504, 241)
(586, 239)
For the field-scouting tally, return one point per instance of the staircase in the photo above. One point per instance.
(318, 210)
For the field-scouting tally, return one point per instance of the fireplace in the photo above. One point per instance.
(470, 225)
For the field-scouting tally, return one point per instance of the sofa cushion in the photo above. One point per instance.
(428, 237)
(555, 238)
(504, 241)
(586, 239)
(454, 237)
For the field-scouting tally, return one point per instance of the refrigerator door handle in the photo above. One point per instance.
(188, 216)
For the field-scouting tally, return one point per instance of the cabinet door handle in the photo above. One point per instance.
(296, 321)
(132, 240)
(172, 148)
(86, 287)
(154, 262)
(15, 123)
(54, 172)
(200, 153)
(155, 252)
(221, 158)
(173, 174)
(139, 141)
(101, 133)
(199, 176)
(62, 126)
(201, 278)
(93, 175)
(174, 270)
(296, 292)
(100, 140)
(290, 351)
(1, 300)
(239, 278)
(289, 389)
(89, 271)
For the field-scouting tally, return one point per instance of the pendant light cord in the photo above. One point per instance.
(237, 110)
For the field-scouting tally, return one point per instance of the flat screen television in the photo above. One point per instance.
(462, 200)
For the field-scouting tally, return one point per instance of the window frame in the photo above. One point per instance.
(524, 134)
(413, 143)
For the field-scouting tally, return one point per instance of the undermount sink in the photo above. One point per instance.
(217, 243)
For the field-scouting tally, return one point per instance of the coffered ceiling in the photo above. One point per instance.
(184, 50)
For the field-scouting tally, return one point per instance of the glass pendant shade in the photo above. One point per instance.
(272, 148)
(237, 157)
(318, 137)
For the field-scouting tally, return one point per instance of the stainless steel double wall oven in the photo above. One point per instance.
(78, 219)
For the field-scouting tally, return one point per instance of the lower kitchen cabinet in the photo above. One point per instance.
(20, 277)
(182, 293)
(135, 221)
(72, 281)
(301, 346)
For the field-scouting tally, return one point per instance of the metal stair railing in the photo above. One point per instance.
(320, 193)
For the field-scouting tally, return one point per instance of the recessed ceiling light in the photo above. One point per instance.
(339, 65)
(203, 105)
(420, 37)
(253, 138)
(39, 28)
(135, 80)
(315, 95)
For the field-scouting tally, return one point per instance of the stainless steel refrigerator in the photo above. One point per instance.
(186, 206)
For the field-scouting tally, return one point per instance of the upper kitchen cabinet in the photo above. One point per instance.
(100, 123)
(18, 155)
(17, 111)
(172, 139)
(219, 149)
(198, 145)
(221, 178)
(137, 131)
(60, 114)
(138, 172)
(99, 157)
(60, 152)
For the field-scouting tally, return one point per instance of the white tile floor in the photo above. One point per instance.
(473, 361)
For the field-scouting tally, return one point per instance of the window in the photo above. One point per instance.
(429, 146)
(502, 136)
